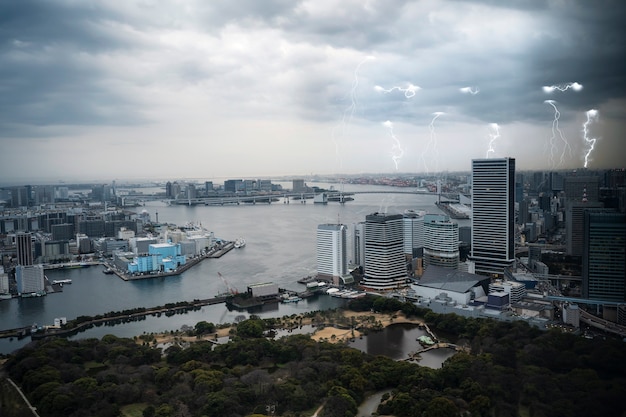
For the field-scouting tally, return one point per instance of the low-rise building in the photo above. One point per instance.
(264, 291)
(461, 287)
(30, 279)
(571, 315)
(515, 290)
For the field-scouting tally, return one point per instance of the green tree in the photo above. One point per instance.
(441, 407)
(204, 327)
(251, 328)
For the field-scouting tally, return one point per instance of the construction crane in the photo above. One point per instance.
(230, 290)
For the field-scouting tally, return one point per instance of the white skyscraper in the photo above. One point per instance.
(332, 253)
(441, 242)
(413, 233)
(493, 215)
(385, 264)
(358, 244)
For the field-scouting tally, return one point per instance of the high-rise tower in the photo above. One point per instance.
(493, 215)
(413, 233)
(385, 265)
(24, 248)
(332, 252)
(604, 255)
(441, 242)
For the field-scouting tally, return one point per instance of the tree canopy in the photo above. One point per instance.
(511, 369)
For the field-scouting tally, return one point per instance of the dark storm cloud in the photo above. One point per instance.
(588, 46)
(47, 72)
(42, 23)
(194, 70)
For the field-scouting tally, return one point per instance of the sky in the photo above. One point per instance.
(242, 89)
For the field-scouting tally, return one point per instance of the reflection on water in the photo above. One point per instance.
(397, 342)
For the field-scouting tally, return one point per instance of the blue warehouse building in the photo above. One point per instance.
(162, 257)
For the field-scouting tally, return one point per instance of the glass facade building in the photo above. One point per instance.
(604, 256)
(493, 215)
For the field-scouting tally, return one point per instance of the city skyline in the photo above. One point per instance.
(194, 90)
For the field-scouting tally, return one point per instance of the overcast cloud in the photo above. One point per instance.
(211, 89)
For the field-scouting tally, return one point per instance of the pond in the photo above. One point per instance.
(398, 341)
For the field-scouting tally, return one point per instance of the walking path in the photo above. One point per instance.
(33, 409)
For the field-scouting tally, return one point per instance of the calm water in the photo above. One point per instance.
(398, 341)
(280, 248)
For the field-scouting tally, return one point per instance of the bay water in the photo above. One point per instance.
(280, 248)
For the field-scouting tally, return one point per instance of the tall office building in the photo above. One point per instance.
(358, 244)
(574, 227)
(24, 248)
(604, 256)
(441, 242)
(413, 233)
(582, 188)
(20, 196)
(385, 265)
(332, 252)
(493, 215)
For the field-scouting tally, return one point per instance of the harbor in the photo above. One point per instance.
(280, 247)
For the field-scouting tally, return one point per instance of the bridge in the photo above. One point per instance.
(332, 196)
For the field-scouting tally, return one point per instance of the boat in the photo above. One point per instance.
(240, 243)
(62, 281)
(108, 271)
(291, 299)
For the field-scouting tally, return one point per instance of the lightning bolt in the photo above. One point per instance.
(493, 137)
(408, 91)
(432, 143)
(469, 90)
(396, 150)
(348, 113)
(555, 123)
(562, 87)
(556, 130)
(592, 115)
